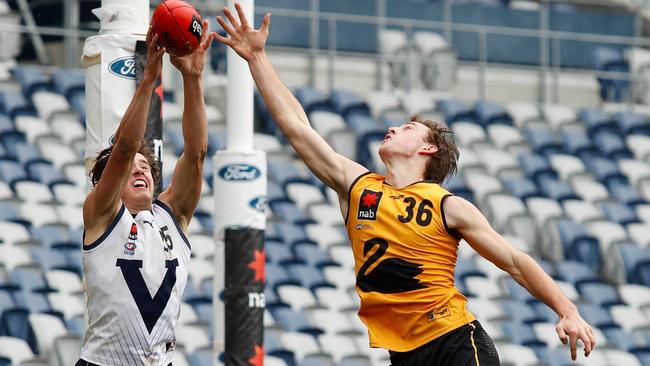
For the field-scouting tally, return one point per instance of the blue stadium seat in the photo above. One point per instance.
(216, 141)
(578, 244)
(596, 316)
(610, 59)
(15, 323)
(636, 261)
(15, 104)
(25, 153)
(604, 169)
(313, 100)
(632, 123)
(277, 251)
(488, 113)
(612, 145)
(307, 275)
(78, 104)
(44, 172)
(517, 292)
(68, 82)
(456, 185)
(201, 357)
(623, 339)
(288, 212)
(555, 189)
(363, 124)
(597, 120)
(55, 236)
(544, 312)
(521, 312)
(31, 79)
(290, 233)
(277, 274)
(455, 110)
(520, 333)
(619, 213)
(576, 272)
(600, 294)
(624, 192)
(536, 166)
(284, 172)
(6, 124)
(466, 268)
(544, 141)
(523, 188)
(312, 254)
(555, 357)
(49, 259)
(579, 144)
(293, 321)
(12, 171)
(10, 139)
(347, 103)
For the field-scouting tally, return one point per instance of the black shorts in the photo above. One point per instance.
(86, 363)
(468, 345)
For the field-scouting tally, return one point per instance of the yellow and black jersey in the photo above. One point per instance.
(404, 262)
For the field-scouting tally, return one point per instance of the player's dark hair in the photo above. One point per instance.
(102, 159)
(444, 162)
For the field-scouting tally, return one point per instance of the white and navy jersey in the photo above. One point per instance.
(135, 274)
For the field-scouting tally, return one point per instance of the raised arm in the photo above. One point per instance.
(465, 218)
(184, 192)
(102, 203)
(332, 168)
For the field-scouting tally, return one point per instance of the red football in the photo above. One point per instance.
(179, 27)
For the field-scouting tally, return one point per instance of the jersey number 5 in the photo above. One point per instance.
(169, 244)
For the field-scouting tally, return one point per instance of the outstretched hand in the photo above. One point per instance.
(572, 327)
(192, 64)
(153, 64)
(243, 39)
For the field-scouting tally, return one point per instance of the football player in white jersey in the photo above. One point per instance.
(135, 252)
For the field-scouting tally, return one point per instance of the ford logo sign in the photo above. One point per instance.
(258, 203)
(239, 172)
(123, 67)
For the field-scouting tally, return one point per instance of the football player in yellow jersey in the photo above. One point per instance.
(405, 229)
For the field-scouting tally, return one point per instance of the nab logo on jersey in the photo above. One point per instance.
(368, 204)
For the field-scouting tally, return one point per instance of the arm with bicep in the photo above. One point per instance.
(467, 220)
(183, 194)
(102, 202)
(333, 169)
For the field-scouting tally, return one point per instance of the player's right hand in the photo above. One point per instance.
(153, 65)
(243, 39)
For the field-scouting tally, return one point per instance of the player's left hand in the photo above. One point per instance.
(572, 327)
(192, 64)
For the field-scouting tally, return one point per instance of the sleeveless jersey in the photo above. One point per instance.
(135, 274)
(404, 261)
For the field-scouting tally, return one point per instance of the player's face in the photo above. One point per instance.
(406, 140)
(140, 186)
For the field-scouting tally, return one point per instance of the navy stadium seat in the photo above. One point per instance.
(624, 192)
(636, 262)
(15, 104)
(604, 169)
(277, 251)
(15, 323)
(536, 166)
(31, 79)
(6, 124)
(579, 144)
(521, 312)
(277, 275)
(632, 123)
(601, 294)
(488, 113)
(555, 189)
(313, 100)
(454, 110)
(312, 254)
(521, 333)
(44, 172)
(597, 120)
(609, 59)
(78, 104)
(517, 292)
(578, 244)
(456, 185)
(12, 171)
(307, 275)
(544, 141)
(68, 82)
(623, 339)
(576, 272)
(291, 233)
(612, 145)
(619, 213)
(288, 212)
(293, 321)
(596, 316)
(523, 188)
(347, 103)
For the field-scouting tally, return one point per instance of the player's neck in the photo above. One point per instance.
(403, 172)
(134, 207)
